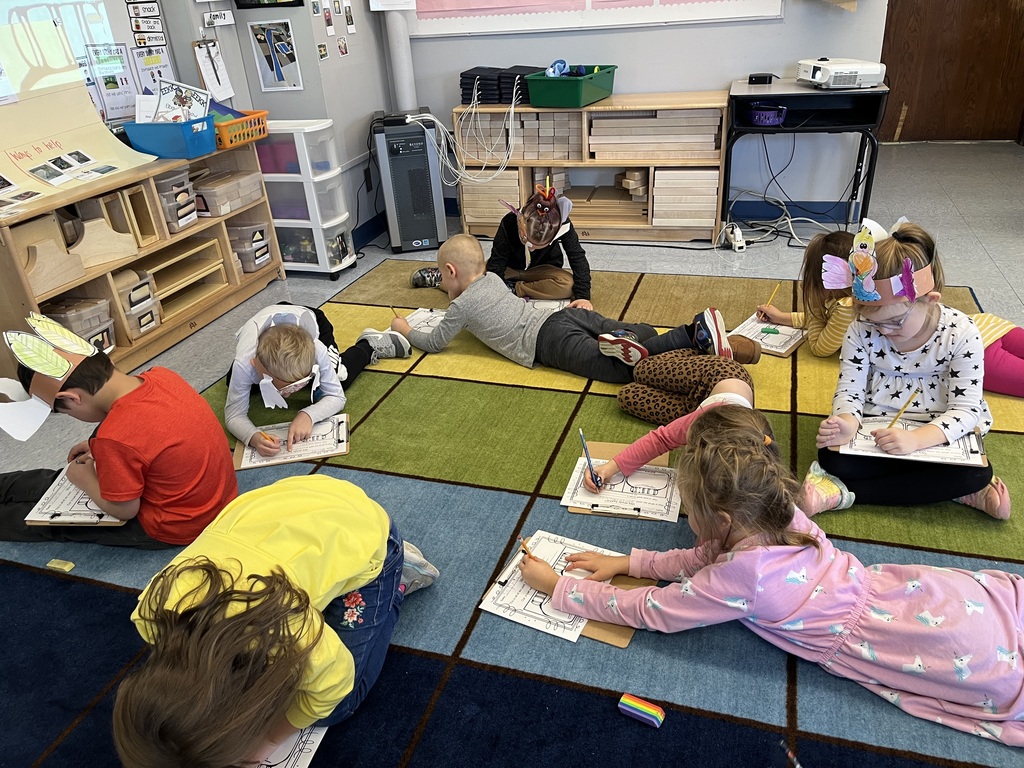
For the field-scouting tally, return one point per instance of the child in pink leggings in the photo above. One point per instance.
(1004, 354)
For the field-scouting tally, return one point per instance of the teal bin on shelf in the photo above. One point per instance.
(192, 138)
(567, 91)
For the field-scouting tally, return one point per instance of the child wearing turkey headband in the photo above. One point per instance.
(903, 342)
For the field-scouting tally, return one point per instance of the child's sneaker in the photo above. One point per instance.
(624, 345)
(744, 350)
(417, 573)
(428, 277)
(823, 492)
(385, 344)
(993, 500)
(709, 333)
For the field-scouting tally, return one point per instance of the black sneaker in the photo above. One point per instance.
(385, 344)
(428, 277)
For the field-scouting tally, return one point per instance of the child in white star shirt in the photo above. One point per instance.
(903, 341)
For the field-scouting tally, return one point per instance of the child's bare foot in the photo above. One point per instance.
(993, 500)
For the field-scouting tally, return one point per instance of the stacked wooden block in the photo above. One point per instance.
(603, 205)
(481, 203)
(684, 197)
(666, 134)
(634, 181)
(484, 139)
(553, 176)
(552, 135)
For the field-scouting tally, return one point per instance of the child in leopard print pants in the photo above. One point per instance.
(673, 384)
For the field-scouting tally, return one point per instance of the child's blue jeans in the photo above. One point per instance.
(377, 605)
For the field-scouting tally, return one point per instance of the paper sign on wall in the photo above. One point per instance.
(218, 18)
(114, 81)
(151, 65)
(143, 9)
(148, 25)
(150, 38)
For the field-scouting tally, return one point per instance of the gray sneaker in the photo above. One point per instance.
(417, 573)
(385, 344)
(428, 277)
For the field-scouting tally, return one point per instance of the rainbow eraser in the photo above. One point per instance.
(641, 710)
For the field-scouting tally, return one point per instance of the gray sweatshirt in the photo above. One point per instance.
(500, 319)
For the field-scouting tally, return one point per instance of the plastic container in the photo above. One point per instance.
(572, 91)
(174, 180)
(102, 338)
(180, 194)
(143, 319)
(248, 234)
(78, 315)
(242, 130)
(288, 200)
(135, 287)
(192, 138)
(253, 256)
(222, 193)
(180, 215)
(764, 114)
(300, 147)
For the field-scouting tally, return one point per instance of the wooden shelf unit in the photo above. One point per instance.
(196, 277)
(678, 134)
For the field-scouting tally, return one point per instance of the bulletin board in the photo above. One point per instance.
(435, 18)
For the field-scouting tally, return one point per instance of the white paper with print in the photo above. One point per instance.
(328, 438)
(969, 450)
(778, 340)
(650, 492)
(64, 503)
(298, 752)
(425, 320)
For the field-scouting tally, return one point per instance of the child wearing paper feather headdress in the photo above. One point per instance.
(903, 341)
(761, 561)
(158, 459)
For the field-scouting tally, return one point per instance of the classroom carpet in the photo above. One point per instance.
(466, 451)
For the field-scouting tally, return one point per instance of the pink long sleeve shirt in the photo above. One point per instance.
(940, 643)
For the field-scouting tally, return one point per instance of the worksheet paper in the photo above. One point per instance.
(512, 598)
(297, 753)
(425, 320)
(967, 451)
(650, 492)
(328, 438)
(778, 340)
(64, 503)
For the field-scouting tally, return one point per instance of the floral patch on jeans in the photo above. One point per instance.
(354, 607)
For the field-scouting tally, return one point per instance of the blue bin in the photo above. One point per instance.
(192, 138)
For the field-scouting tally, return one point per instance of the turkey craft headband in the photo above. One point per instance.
(53, 353)
(540, 219)
(858, 270)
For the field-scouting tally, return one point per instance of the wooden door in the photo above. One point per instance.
(956, 70)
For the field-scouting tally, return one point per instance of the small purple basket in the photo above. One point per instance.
(765, 115)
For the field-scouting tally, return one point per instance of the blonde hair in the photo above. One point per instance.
(908, 242)
(225, 665)
(286, 351)
(465, 253)
(732, 467)
(815, 294)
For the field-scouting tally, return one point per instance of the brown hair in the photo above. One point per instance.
(908, 242)
(815, 294)
(730, 468)
(225, 665)
(287, 351)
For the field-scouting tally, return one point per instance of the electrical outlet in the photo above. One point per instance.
(368, 179)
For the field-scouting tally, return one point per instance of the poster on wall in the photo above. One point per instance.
(114, 80)
(274, 52)
(151, 65)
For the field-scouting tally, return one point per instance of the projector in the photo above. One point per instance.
(839, 73)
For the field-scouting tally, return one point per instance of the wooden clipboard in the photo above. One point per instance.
(608, 451)
(340, 450)
(617, 635)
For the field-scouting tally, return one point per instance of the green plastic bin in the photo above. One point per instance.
(571, 91)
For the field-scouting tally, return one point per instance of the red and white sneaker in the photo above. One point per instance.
(624, 345)
(710, 334)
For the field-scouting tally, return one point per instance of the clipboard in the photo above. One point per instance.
(607, 452)
(65, 504)
(972, 444)
(337, 445)
(617, 635)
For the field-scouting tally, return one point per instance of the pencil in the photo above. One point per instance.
(266, 436)
(772, 297)
(904, 408)
(526, 549)
(393, 310)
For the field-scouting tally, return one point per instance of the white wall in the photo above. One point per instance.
(689, 57)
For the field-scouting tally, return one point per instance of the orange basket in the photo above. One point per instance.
(232, 133)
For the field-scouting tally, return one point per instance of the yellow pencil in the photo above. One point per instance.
(904, 408)
(772, 297)
(393, 310)
(266, 436)
(526, 549)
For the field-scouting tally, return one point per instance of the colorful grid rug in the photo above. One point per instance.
(467, 450)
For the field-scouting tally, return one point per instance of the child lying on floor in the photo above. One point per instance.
(573, 339)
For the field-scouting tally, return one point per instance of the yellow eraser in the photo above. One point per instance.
(60, 565)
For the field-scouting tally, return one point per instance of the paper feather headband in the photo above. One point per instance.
(541, 218)
(858, 270)
(52, 352)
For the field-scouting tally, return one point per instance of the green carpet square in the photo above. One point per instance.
(491, 436)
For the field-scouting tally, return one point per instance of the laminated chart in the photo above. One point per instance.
(64, 503)
(512, 598)
(328, 438)
(650, 492)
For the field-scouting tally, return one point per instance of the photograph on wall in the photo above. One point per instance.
(274, 51)
(6, 185)
(322, 51)
(315, 6)
(350, 21)
(329, 21)
(337, 6)
(342, 45)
